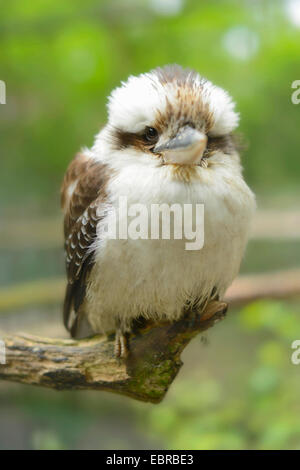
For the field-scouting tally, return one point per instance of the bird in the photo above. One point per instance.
(169, 139)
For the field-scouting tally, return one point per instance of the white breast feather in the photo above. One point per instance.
(157, 277)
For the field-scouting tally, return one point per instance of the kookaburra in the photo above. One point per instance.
(168, 140)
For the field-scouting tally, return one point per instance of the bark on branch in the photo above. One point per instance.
(154, 360)
(146, 374)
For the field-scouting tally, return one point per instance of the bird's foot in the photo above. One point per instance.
(121, 344)
(214, 311)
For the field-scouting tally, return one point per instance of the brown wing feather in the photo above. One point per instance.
(82, 193)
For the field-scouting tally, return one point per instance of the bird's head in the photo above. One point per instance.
(173, 115)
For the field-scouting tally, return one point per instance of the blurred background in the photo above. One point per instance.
(237, 389)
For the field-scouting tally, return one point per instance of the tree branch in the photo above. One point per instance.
(154, 360)
(146, 374)
(278, 285)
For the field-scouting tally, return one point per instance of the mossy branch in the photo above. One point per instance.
(146, 374)
(155, 349)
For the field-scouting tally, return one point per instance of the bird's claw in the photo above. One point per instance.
(121, 345)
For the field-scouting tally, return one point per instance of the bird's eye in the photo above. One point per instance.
(151, 135)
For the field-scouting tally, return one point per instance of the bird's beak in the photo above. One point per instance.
(186, 148)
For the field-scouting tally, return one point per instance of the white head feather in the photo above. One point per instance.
(135, 104)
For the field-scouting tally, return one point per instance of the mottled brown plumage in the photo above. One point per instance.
(83, 191)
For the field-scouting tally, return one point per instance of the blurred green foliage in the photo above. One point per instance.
(259, 409)
(61, 59)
